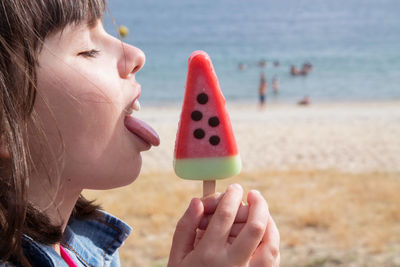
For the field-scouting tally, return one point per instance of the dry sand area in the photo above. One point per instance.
(330, 173)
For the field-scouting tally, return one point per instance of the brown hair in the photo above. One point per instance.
(24, 25)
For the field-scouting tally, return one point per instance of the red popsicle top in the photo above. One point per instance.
(204, 129)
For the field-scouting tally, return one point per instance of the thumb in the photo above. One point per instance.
(185, 232)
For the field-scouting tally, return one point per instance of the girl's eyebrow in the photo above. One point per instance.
(80, 35)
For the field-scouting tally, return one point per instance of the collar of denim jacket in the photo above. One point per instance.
(95, 241)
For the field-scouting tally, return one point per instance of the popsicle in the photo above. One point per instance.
(205, 146)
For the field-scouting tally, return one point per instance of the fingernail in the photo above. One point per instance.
(192, 203)
(235, 186)
(216, 195)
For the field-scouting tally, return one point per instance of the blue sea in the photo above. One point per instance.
(353, 45)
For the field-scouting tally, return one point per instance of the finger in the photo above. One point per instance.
(199, 236)
(271, 235)
(221, 222)
(210, 202)
(267, 254)
(241, 216)
(252, 233)
(236, 228)
(185, 232)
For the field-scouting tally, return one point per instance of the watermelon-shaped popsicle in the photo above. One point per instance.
(205, 147)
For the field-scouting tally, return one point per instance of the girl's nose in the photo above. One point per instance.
(131, 61)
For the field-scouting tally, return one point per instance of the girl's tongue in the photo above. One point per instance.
(142, 130)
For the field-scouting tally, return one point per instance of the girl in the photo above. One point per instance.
(67, 104)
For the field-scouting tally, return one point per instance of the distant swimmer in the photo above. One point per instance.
(294, 70)
(262, 63)
(276, 63)
(305, 101)
(262, 90)
(275, 84)
(307, 67)
(241, 66)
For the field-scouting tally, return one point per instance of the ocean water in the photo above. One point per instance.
(353, 45)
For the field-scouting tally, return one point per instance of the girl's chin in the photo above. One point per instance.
(122, 177)
(124, 182)
(130, 175)
(115, 182)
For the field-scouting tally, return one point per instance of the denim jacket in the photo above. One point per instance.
(93, 243)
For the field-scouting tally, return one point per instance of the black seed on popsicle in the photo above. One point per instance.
(213, 121)
(199, 133)
(196, 115)
(202, 98)
(214, 140)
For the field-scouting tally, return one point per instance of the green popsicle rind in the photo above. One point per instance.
(213, 168)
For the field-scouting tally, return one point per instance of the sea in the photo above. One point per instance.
(353, 46)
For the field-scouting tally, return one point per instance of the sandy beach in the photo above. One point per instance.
(330, 173)
(353, 137)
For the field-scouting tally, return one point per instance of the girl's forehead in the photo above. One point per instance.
(77, 28)
(70, 40)
(76, 32)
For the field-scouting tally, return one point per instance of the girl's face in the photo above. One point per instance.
(86, 85)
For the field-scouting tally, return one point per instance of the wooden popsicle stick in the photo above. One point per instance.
(208, 187)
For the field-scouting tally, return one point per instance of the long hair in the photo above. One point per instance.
(24, 25)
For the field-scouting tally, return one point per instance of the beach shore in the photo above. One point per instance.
(352, 137)
(330, 174)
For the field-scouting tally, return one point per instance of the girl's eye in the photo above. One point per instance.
(89, 53)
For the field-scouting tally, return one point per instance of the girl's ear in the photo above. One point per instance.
(4, 153)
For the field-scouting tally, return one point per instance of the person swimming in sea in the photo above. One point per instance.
(294, 70)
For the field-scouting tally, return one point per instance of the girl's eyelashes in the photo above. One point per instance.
(89, 53)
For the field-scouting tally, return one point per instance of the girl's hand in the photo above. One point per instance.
(255, 242)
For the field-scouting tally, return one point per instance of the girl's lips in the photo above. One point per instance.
(142, 130)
